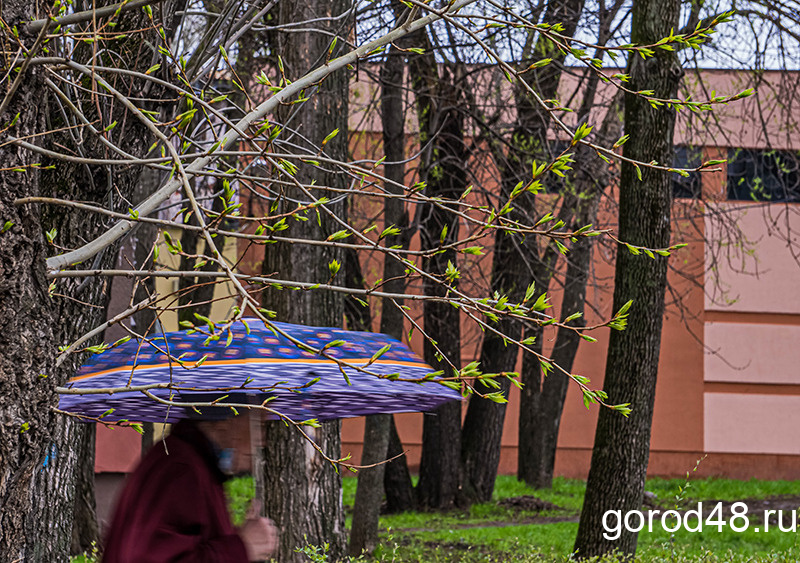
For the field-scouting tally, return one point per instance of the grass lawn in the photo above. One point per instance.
(503, 531)
(527, 525)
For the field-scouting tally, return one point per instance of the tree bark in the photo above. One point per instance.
(85, 528)
(369, 490)
(377, 428)
(38, 453)
(621, 447)
(302, 492)
(28, 341)
(144, 236)
(397, 482)
(515, 260)
(397, 478)
(578, 208)
(196, 294)
(444, 170)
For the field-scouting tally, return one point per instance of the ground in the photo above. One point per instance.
(526, 525)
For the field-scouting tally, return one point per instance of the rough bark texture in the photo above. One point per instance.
(621, 447)
(377, 428)
(302, 492)
(38, 448)
(515, 260)
(85, 528)
(444, 170)
(27, 427)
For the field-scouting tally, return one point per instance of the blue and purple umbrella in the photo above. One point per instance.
(248, 363)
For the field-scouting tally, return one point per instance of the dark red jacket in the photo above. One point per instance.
(173, 507)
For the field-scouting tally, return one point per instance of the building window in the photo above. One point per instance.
(687, 186)
(763, 175)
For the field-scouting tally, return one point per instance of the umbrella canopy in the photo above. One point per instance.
(249, 363)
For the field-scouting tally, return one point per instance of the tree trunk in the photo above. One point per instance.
(85, 528)
(397, 478)
(197, 294)
(302, 492)
(377, 428)
(369, 491)
(621, 447)
(144, 236)
(444, 169)
(27, 426)
(536, 466)
(514, 260)
(397, 482)
(579, 208)
(38, 453)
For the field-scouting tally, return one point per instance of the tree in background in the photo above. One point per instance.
(622, 445)
(378, 428)
(302, 493)
(517, 265)
(284, 153)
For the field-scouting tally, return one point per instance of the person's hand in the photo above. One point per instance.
(259, 534)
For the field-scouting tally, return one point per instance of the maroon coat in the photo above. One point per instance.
(173, 508)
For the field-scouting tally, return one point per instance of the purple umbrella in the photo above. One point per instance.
(249, 363)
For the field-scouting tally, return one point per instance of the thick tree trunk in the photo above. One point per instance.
(38, 453)
(302, 492)
(85, 528)
(621, 447)
(28, 340)
(514, 260)
(377, 428)
(27, 425)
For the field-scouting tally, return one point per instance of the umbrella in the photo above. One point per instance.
(249, 362)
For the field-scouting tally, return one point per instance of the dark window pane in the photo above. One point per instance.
(687, 186)
(763, 175)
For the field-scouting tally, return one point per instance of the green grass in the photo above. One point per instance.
(722, 489)
(492, 533)
(473, 535)
(240, 492)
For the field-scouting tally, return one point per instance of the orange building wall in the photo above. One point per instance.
(692, 420)
(743, 311)
(678, 418)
